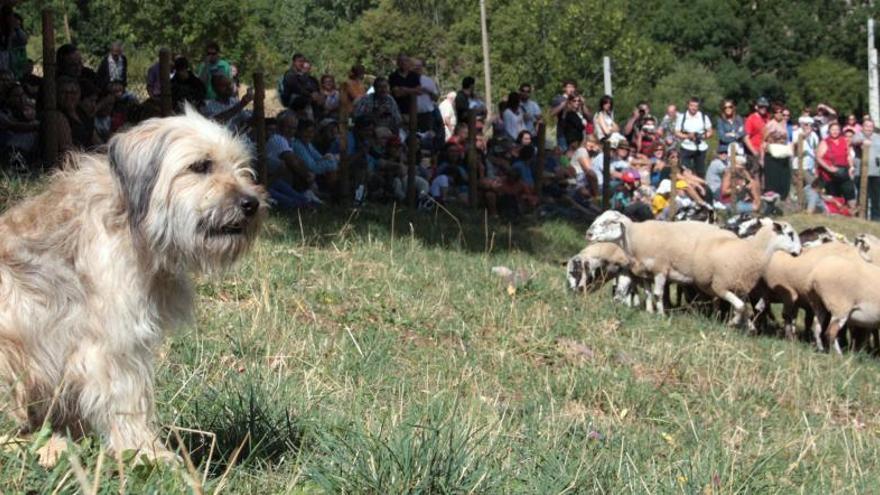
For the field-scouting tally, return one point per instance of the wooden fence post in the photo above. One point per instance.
(412, 153)
(863, 179)
(802, 177)
(473, 177)
(674, 170)
(344, 163)
(606, 175)
(731, 156)
(542, 158)
(49, 124)
(259, 122)
(165, 82)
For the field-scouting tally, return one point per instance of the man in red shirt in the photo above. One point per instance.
(754, 128)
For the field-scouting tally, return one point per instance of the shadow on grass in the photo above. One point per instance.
(457, 229)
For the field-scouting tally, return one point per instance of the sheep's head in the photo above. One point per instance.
(608, 227)
(785, 238)
(868, 245)
(575, 273)
(815, 236)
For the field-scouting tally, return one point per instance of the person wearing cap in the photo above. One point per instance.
(660, 201)
(805, 136)
(694, 128)
(620, 161)
(730, 126)
(754, 130)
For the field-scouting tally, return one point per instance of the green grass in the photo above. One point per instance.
(376, 353)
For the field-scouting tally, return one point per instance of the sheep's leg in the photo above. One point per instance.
(834, 327)
(621, 289)
(659, 288)
(819, 315)
(649, 297)
(738, 307)
(789, 312)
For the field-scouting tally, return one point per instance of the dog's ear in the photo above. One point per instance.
(134, 157)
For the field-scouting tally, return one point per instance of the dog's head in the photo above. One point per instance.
(189, 190)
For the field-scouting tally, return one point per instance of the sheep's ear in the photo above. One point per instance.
(777, 227)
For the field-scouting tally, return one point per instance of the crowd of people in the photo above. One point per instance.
(745, 161)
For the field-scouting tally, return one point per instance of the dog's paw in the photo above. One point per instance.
(152, 456)
(52, 451)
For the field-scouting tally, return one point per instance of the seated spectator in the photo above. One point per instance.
(298, 83)
(447, 113)
(715, 172)
(290, 181)
(18, 127)
(30, 81)
(327, 137)
(660, 201)
(380, 107)
(226, 107)
(211, 66)
(739, 186)
(70, 64)
(113, 67)
(815, 194)
(76, 130)
(443, 188)
(185, 86)
(513, 116)
(512, 196)
(323, 166)
(329, 97)
(13, 42)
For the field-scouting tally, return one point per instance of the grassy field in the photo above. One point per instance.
(376, 353)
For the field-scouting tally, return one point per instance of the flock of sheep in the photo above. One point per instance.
(743, 267)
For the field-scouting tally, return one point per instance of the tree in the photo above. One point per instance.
(836, 83)
(687, 79)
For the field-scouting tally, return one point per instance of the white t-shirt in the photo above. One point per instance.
(697, 123)
(811, 143)
(438, 184)
(425, 102)
(597, 164)
(447, 111)
(580, 176)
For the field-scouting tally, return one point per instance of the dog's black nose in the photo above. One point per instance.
(249, 205)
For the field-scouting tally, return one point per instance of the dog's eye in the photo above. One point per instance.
(201, 167)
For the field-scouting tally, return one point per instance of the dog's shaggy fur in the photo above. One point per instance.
(95, 270)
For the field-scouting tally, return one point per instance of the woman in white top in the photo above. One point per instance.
(603, 122)
(513, 116)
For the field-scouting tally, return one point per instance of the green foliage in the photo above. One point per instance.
(687, 79)
(823, 80)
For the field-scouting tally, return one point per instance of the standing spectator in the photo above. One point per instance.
(693, 128)
(296, 82)
(226, 107)
(571, 121)
(869, 135)
(352, 89)
(154, 85)
(754, 129)
(447, 112)
(404, 83)
(513, 116)
(558, 105)
(825, 115)
(113, 67)
(634, 122)
(777, 156)
(13, 42)
(731, 128)
(185, 86)
(530, 109)
(211, 66)
(463, 99)
(786, 115)
(426, 101)
(667, 126)
(380, 107)
(810, 143)
(329, 97)
(835, 164)
(604, 119)
(852, 123)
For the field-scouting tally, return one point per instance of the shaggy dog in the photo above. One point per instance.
(95, 270)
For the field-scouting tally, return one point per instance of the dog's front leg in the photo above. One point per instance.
(116, 400)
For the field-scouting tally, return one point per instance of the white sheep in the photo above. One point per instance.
(731, 268)
(844, 290)
(665, 250)
(591, 268)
